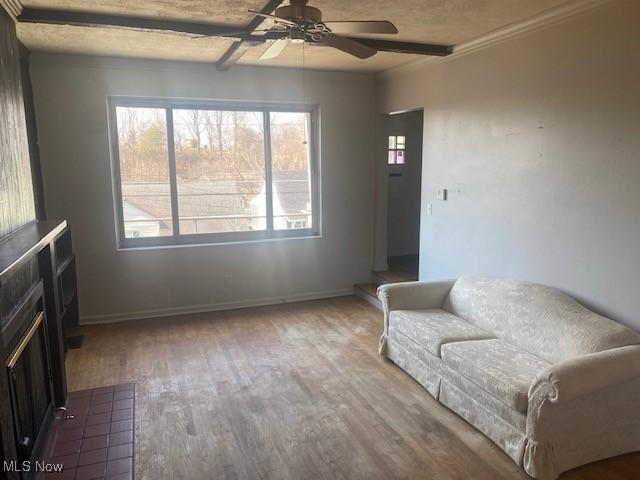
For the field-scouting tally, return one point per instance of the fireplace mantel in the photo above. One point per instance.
(19, 247)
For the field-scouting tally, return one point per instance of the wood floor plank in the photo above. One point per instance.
(291, 392)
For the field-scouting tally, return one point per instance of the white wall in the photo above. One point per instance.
(70, 98)
(538, 140)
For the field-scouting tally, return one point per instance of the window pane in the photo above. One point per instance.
(144, 172)
(220, 171)
(400, 143)
(392, 143)
(400, 157)
(391, 160)
(291, 170)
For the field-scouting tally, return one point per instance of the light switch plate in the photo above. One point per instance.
(429, 209)
(442, 194)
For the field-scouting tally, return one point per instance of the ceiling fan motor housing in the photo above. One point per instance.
(299, 12)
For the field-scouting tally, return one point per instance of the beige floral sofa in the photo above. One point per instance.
(553, 384)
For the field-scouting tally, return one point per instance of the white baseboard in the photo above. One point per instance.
(214, 307)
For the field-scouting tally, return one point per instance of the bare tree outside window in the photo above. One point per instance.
(144, 172)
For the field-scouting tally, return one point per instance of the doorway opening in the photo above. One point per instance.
(397, 202)
(403, 132)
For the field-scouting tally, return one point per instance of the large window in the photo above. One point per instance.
(187, 172)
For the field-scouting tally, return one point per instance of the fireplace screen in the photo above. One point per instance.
(30, 387)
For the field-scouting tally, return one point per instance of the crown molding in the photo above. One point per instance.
(13, 7)
(543, 20)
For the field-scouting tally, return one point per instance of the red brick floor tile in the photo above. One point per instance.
(120, 415)
(99, 418)
(123, 395)
(120, 438)
(77, 408)
(102, 398)
(71, 423)
(91, 472)
(67, 461)
(78, 411)
(121, 476)
(93, 443)
(95, 430)
(93, 456)
(123, 465)
(66, 474)
(66, 448)
(122, 426)
(100, 408)
(122, 404)
(120, 451)
(67, 435)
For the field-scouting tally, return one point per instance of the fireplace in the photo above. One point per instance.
(30, 389)
(33, 382)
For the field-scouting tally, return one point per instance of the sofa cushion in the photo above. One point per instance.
(498, 367)
(433, 328)
(541, 320)
(428, 369)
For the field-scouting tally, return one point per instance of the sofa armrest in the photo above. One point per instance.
(586, 374)
(582, 410)
(410, 296)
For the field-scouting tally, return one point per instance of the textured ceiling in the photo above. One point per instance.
(448, 22)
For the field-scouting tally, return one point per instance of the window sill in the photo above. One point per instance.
(219, 244)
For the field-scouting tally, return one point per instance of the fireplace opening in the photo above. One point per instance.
(30, 389)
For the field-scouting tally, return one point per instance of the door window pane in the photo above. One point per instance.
(291, 170)
(220, 171)
(144, 172)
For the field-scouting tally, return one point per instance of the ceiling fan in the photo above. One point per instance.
(299, 22)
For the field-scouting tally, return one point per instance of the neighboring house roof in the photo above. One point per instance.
(217, 198)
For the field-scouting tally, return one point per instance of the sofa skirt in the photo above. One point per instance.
(439, 384)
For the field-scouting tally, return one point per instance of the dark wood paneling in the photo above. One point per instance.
(32, 132)
(16, 189)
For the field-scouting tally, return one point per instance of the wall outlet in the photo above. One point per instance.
(442, 194)
(429, 209)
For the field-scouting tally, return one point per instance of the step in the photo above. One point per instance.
(367, 292)
(382, 278)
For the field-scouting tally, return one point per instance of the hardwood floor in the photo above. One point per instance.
(289, 392)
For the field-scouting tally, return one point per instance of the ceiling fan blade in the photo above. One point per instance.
(230, 34)
(274, 18)
(275, 49)
(349, 46)
(367, 26)
(239, 33)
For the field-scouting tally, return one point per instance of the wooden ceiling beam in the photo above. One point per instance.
(239, 47)
(86, 19)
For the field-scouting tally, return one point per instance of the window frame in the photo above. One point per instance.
(178, 239)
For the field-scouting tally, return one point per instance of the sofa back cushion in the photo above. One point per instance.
(541, 320)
